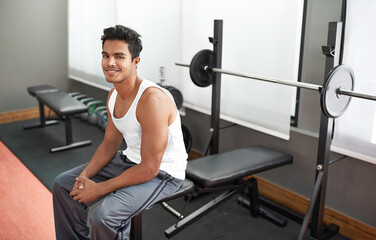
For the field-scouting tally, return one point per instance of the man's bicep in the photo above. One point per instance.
(112, 134)
(154, 133)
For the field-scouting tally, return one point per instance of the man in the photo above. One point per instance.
(149, 169)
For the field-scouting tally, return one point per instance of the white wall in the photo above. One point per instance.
(33, 46)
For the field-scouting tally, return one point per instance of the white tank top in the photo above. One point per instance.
(174, 160)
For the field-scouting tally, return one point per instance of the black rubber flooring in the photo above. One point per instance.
(228, 221)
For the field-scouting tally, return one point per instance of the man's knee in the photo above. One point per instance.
(57, 182)
(100, 218)
(60, 183)
(103, 224)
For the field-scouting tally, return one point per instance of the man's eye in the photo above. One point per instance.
(104, 56)
(119, 57)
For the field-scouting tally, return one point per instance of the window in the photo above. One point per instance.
(260, 37)
(355, 131)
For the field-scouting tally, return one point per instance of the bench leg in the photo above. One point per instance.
(68, 130)
(136, 227)
(186, 221)
(69, 138)
(256, 209)
(43, 122)
(70, 146)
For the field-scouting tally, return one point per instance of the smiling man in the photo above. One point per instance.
(152, 166)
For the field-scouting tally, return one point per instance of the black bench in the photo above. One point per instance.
(63, 105)
(224, 172)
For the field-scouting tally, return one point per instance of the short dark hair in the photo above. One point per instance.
(129, 35)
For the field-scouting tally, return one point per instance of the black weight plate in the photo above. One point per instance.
(332, 103)
(178, 97)
(199, 75)
(187, 138)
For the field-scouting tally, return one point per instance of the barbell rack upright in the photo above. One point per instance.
(217, 41)
(315, 211)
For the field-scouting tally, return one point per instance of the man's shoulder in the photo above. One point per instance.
(153, 93)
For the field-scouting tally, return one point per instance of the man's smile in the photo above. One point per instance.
(112, 70)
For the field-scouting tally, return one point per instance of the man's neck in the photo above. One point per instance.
(128, 88)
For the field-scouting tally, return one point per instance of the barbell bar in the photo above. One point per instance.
(336, 92)
(356, 94)
(261, 78)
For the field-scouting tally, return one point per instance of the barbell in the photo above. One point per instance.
(336, 92)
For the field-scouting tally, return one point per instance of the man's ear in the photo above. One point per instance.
(137, 61)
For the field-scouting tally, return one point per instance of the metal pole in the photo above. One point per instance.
(355, 94)
(308, 86)
(216, 86)
(325, 138)
(182, 65)
(269, 79)
(308, 214)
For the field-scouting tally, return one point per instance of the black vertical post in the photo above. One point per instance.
(254, 198)
(326, 125)
(216, 86)
(41, 114)
(136, 227)
(325, 137)
(315, 211)
(68, 130)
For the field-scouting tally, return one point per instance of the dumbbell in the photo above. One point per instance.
(79, 96)
(98, 112)
(91, 110)
(73, 94)
(178, 97)
(85, 101)
(102, 118)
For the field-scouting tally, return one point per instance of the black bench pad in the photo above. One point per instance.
(186, 188)
(41, 88)
(60, 102)
(229, 166)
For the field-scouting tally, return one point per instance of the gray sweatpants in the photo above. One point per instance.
(111, 219)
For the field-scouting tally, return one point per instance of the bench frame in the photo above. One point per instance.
(69, 137)
(42, 118)
(46, 89)
(248, 196)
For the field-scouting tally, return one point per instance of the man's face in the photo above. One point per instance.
(117, 61)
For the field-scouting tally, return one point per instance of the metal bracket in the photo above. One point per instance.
(328, 51)
(213, 41)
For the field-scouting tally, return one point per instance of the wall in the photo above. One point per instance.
(38, 54)
(33, 49)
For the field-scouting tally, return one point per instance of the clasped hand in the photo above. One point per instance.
(84, 190)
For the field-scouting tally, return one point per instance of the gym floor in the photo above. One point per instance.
(229, 221)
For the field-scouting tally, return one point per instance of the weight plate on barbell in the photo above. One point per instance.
(332, 103)
(199, 75)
